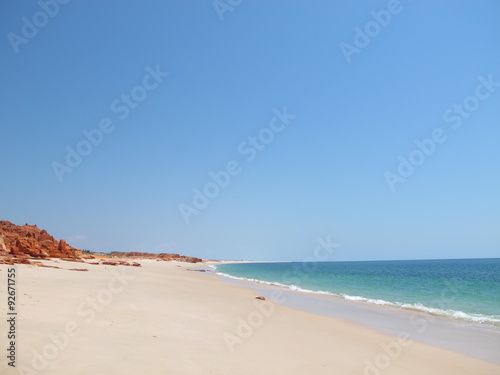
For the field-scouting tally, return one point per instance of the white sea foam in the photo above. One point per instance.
(460, 315)
(476, 318)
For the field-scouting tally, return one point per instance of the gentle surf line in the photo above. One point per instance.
(454, 314)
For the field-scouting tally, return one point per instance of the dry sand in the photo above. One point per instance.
(164, 319)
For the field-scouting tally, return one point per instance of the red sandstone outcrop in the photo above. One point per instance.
(162, 256)
(120, 263)
(179, 258)
(19, 242)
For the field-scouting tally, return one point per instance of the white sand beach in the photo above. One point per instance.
(164, 318)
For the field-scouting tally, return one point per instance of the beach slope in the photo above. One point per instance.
(166, 318)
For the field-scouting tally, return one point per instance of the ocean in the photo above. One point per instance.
(463, 289)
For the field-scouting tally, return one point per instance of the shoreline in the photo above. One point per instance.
(165, 317)
(477, 340)
(466, 318)
(369, 301)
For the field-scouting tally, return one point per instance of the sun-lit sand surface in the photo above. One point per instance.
(163, 318)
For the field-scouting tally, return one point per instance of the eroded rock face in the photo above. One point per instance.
(18, 243)
(180, 258)
(162, 256)
(29, 240)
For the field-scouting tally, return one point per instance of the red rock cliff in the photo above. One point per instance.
(29, 240)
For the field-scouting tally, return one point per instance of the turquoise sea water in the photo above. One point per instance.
(466, 289)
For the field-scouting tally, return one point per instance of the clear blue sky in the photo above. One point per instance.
(324, 174)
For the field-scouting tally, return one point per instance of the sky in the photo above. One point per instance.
(246, 129)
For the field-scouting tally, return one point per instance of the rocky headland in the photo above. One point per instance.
(28, 244)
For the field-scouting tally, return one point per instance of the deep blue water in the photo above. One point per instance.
(467, 289)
